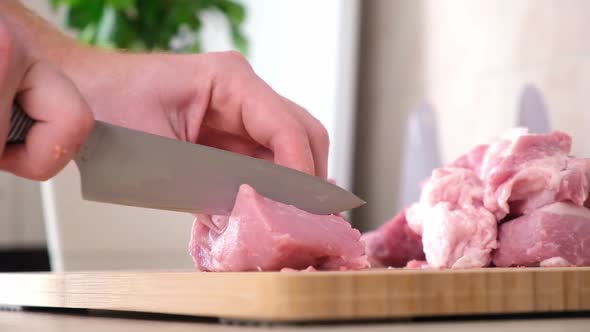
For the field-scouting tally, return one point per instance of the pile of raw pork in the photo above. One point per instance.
(520, 201)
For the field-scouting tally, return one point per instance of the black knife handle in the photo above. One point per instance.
(20, 123)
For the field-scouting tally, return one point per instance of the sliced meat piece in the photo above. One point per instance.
(458, 237)
(532, 203)
(498, 150)
(458, 186)
(570, 184)
(575, 181)
(523, 166)
(556, 234)
(457, 230)
(264, 235)
(393, 244)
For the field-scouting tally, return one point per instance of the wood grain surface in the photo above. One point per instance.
(304, 296)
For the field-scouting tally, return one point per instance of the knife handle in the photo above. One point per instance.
(20, 123)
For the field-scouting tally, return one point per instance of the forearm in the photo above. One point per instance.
(81, 63)
(38, 33)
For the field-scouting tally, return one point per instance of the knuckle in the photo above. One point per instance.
(296, 130)
(235, 57)
(81, 125)
(230, 69)
(317, 131)
(86, 120)
(291, 133)
(234, 60)
(80, 120)
(323, 136)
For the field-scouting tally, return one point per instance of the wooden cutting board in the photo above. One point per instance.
(304, 296)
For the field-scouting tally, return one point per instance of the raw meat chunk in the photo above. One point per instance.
(521, 167)
(498, 150)
(264, 235)
(575, 181)
(309, 269)
(457, 230)
(393, 244)
(555, 262)
(555, 235)
(458, 238)
(473, 159)
(573, 186)
(458, 186)
(520, 176)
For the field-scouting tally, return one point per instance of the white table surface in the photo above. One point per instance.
(19, 321)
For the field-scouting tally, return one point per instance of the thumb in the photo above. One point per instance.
(63, 121)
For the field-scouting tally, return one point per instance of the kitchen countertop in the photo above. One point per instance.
(20, 321)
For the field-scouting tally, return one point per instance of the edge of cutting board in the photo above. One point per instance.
(304, 296)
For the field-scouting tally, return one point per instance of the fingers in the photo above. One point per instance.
(263, 153)
(63, 121)
(295, 137)
(268, 120)
(223, 140)
(290, 146)
(245, 105)
(318, 138)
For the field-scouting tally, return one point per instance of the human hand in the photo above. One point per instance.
(214, 99)
(63, 119)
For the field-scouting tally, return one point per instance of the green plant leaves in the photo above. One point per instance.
(149, 24)
(122, 4)
(236, 15)
(235, 12)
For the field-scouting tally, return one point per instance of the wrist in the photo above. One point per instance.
(43, 41)
(89, 69)
(39, 37)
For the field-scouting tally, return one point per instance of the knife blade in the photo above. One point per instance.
(129, 167)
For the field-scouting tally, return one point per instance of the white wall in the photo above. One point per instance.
(21, 217)
(480, 54)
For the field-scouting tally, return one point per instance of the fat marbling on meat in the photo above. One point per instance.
(457, 230)
(525, 170)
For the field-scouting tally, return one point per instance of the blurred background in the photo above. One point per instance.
(402, 86)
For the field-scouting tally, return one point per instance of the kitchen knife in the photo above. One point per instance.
(533, 113)
(128, 167)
